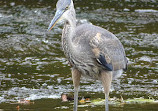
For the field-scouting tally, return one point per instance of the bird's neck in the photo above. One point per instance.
(67, 36)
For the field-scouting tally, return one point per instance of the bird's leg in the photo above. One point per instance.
(76, 75)
(106, 78)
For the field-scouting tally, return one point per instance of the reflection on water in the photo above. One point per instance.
(32, 64)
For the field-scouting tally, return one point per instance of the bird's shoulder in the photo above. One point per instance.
(88, 34)
(90, 30)
(84, 33)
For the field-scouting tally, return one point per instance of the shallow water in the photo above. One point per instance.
(33, 66)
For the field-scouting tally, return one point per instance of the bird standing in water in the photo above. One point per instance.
(91, 50)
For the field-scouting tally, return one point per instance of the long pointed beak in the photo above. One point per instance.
(57, 16)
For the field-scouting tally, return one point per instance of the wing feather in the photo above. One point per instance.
(101, 45)
(109, 51)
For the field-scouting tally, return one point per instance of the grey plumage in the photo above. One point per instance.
(87, 38)
(91, 50)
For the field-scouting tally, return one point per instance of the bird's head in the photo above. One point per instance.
(64, 9)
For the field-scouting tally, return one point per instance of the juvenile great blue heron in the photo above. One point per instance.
(91, 50)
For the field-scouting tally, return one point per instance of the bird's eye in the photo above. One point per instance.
(67, 8)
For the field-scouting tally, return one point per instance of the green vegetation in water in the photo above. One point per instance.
(117, 101)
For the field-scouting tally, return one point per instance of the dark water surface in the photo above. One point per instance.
(33, 66)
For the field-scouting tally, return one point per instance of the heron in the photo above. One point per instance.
(92, 51)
